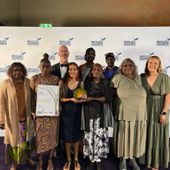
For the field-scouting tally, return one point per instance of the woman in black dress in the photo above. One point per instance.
(95, 134)
(71, 114)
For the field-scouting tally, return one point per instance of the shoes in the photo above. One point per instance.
(77, 165)
(67, 165)
(122, 164)
(90, 166)
(134, 164)
(99, 166)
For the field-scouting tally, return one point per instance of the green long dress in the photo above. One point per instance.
(157, 144)
(130, 117)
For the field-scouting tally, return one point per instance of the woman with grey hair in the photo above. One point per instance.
(130, 116)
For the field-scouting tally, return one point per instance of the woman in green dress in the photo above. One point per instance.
(130, 116)
(157, 86)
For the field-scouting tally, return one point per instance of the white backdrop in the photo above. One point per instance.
(28, 44)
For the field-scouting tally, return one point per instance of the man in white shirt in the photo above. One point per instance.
(60, 68)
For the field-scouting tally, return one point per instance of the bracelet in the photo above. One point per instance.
(163, 113)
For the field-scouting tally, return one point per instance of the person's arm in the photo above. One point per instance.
(99, 99)
(33, 96)
(163, 116)
(2, 108)
(64, 99)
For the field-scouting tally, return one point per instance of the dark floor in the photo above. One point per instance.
(108, 164)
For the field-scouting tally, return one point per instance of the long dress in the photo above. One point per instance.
(96, 142)
(130, 117)
(157, 147)
(47, 128)
(71, 118)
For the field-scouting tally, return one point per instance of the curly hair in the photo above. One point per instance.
(17, 64)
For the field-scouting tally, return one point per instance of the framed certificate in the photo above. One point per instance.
(47, 100)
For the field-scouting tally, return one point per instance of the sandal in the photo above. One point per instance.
(76, 165)
(50, 164)
(67, 165)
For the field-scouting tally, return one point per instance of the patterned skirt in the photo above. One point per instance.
(96, 142)
(47, 130)
(19, 154)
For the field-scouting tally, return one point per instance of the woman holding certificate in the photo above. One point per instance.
(72, 95)
(46, 126)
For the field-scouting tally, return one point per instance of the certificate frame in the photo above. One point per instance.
(47, 100)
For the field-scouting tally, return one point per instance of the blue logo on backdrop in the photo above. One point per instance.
(163, 42)
(165, 69)
(79, 57)
(66, 42)
(3, 41)
(131, 42)
(98, 43)
(4, 69)
(145, 56)
(33, 70)
(34, 42)
(117, 55)
(52, 56)
(18, 56)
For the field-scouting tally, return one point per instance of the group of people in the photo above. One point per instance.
(135, 106)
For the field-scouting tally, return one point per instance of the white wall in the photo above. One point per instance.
(28, 44)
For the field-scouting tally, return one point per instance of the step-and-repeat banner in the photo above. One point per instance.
(28, 44)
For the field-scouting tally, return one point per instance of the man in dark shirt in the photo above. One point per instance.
(111, 69)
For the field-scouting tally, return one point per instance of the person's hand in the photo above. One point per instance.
(89, 99)
(2, 126)
(74, 100)
(162, 119)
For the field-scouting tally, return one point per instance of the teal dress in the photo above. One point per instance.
(157, 143)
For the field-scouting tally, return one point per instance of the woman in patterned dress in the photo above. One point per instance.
(95, 134)
(15, 115)
(46, 127)
(71, 113)
(157, 86)
(130, 116)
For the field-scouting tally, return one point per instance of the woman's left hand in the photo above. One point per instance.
(162, 119)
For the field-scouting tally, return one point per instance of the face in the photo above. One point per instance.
(153, 65)
(90, 56)
(45, 67)
(110, 61)
(73, 71)
(63, 53)
(17, 73)
(97, 71)
(128, 69)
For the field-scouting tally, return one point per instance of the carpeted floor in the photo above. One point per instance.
(108, 164)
